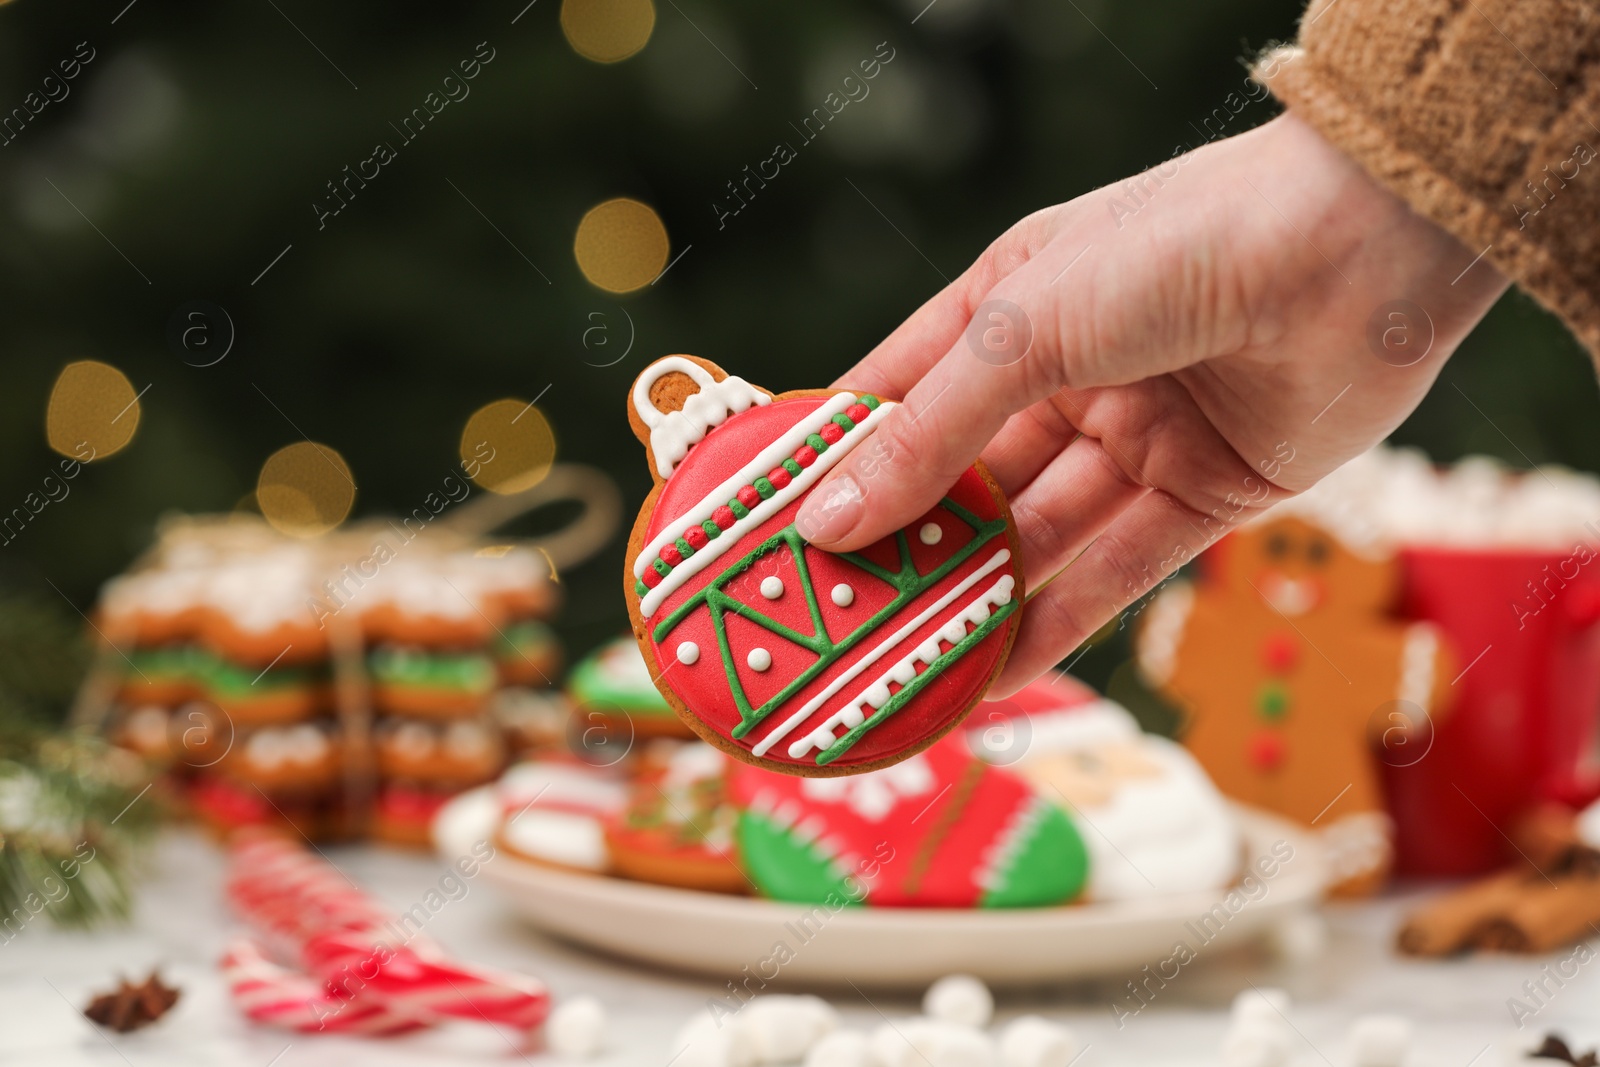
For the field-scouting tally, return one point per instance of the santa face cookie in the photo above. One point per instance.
(1153, 821)
(782, 655)
(940, 829)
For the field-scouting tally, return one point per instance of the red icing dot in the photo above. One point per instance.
(696, 537)
(670, 555)
(857, 413)
(1280, 652)
(651, 578)
(749, 497)
(778, 477)
(1266, 750)
(832, 432)
(723, 517)
(806, 456)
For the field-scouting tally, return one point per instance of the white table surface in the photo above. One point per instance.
(47, 975)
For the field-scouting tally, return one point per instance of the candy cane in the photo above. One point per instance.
(276, 996)
(345, 939)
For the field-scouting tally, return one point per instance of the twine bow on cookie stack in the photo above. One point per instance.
(359, 968)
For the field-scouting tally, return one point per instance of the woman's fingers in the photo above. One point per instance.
(953, 411)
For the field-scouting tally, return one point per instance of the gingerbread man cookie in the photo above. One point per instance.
(1290, 673)
(780, 654)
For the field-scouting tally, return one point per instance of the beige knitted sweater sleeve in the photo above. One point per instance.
(1482, 114)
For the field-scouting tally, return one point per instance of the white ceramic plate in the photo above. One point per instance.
(720, 936)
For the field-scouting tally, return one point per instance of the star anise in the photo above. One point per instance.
(131, 1006)
(1554, 1048)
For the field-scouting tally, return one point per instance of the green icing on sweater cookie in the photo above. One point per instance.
(784, 868)
(1048, 865)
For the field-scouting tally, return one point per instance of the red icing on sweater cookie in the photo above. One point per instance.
(779, 653)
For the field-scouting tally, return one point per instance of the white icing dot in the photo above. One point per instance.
(843, 595)
(759, 659)
(930, 533)
(688, 653)
(772, 587)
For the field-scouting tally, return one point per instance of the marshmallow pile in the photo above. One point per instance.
(1261, 1035)
(771, 1030)
(1389, 497)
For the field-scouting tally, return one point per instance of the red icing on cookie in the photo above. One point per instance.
(910, 632)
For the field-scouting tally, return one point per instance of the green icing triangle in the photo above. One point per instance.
(786, 868)
(1049, 867)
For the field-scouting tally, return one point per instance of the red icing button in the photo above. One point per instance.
(832, 432)
(778, 477)
(651, 577)
(1280, 652)
(857, 413)
(696, 537)
(670, 555)
(1266, 750)
(805, 455)
(723, 517)
(749, 496)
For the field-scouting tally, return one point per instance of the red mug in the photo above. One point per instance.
(1521, 723)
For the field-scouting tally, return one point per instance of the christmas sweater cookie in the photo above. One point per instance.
(612, 686)
(782, 655)
(941, 829)
(678, 827)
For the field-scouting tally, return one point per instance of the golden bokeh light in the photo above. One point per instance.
(607, 31)
(507, 446)
(621, 245)
(305, 489)
(93, 411)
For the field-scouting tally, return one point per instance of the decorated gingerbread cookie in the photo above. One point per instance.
(1294, 678)
(782, 655)
(611, 687)
(554, 813)
(1153, 822)
(940, 829)
(678, 827)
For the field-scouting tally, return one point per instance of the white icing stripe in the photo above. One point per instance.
(995, 561)
(773, 455)
(905, 669)
(671, 433)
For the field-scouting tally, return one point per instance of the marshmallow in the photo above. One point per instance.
(842, 1048)
(575, 1028)
(782, 1029)
(1380, 1040)
(1255, 1043)
(1034, 1042)
(706, 1041)
(959, 998)
(1263, 1005)
(924, 1042)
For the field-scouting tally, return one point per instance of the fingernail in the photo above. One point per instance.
(835, 514)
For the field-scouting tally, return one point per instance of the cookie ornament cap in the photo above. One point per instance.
(783, 655)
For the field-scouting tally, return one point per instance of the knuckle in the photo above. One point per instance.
(1046, 544)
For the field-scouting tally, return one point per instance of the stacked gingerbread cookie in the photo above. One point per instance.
(335, 685)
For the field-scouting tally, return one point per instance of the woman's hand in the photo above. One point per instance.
(1150, 364)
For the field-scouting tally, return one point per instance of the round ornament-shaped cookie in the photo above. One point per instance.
(780, 654)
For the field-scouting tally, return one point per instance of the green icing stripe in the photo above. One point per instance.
(1050, 867)
(764, 487)
(712, 530)
(871, 402)
(738, 509)
(792, 465)
(909, 691)
(843, 422)
(471, 672)
(817, 444)
(685, 549)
